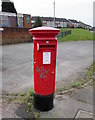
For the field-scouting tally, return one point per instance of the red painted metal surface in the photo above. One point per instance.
(45, 47)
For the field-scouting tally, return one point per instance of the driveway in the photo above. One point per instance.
(72, 60)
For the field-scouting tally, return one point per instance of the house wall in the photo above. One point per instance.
(12, 21)
(1, 29)
(20, 20)
(44, 23)
(27, 21)
(60, 24)
(0, 21)
(52, 24)
(8, 19)
(65, 25)
(76, 25)
(48, 23)
(5, 21)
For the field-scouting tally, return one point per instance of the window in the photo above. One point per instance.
(27, 19)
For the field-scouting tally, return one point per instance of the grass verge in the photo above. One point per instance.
(88, 79)
(23, 98)
(77, 35)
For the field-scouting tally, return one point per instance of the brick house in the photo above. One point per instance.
(73, 23)
(49, 21)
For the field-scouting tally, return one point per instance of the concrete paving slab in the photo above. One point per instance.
(66, 107)
(84, 114)
(15, 110)
(84, 95)
(72, 60)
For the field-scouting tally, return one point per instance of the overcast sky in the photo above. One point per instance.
(81, 10)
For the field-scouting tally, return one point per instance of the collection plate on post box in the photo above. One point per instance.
(46, 57)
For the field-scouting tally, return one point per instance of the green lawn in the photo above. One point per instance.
(77, 34)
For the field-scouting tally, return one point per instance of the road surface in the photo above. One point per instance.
(72, 60)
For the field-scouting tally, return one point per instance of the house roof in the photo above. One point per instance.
(73, 21)
(82, 23)
(42, 18)
(50, 19)
(7, 14)
(61, 19)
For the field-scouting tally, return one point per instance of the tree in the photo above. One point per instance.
(38, 22)
(8, 7)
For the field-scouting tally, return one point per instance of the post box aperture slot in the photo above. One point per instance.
(49, 47)
(46, 57)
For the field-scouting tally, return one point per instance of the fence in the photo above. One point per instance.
(64, 34)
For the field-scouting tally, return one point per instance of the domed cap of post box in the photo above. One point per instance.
(44, 32)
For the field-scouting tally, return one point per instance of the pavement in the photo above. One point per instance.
(77, 104)
(17, 64)
(69, 105)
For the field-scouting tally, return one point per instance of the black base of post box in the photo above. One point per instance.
(43, 103)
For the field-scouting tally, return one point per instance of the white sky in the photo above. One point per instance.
(81, 10)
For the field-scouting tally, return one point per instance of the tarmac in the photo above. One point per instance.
(73, 58)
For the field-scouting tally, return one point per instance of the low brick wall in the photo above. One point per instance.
(15, 35)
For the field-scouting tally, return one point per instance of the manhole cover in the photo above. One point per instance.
(84, 114)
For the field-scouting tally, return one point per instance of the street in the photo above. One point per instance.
(72, 60)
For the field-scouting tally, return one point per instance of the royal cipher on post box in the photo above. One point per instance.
(45, 47)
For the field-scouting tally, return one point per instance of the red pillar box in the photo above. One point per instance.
(45, 47)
